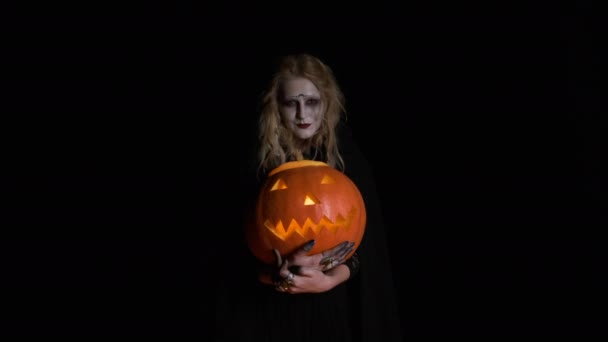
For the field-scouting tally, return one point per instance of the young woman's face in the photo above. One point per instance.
(300, 106)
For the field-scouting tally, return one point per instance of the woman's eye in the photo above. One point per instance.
(289, 103)
(312, 102)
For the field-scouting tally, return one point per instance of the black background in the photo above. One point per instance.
(124, 125)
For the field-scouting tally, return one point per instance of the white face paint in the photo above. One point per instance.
(301, 108)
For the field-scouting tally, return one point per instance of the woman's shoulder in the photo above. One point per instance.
(344, 134)
(355, 161)
(343, 129)
(348, 142)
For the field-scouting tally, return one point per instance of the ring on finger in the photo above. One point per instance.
(328, 263)
(289, 278)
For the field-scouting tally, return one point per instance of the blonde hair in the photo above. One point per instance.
(277, 143)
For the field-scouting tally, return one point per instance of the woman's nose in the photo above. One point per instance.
(300, 109)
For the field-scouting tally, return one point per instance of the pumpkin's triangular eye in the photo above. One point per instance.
(310, 200)
(327, 180)
(279, 185)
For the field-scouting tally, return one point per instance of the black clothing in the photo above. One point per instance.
(364, 308)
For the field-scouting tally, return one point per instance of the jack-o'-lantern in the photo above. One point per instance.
(301, 201)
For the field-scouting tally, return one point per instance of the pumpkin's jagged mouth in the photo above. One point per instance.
(294, 227)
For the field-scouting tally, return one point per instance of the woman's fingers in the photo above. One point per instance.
(336, 255)
(284, 270)
(305, 248)
(335, 251)
(287, 278)
(277, 258)
(344, 253)
(309, 280)
(300, 257)
(323, 261)
(306, 273)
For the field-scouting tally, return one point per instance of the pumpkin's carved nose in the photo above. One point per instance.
(310, 200)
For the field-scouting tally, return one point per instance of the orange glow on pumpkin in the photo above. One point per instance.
(305, 200)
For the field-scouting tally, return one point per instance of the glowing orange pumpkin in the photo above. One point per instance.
(305, 200)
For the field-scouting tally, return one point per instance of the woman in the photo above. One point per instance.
(302, 117)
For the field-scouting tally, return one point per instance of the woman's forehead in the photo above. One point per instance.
(296, 87)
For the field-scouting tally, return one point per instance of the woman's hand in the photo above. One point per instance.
(301, 273)
(306, 280)
(323, 261)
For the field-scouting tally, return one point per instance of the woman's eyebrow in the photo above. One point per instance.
(302, 95)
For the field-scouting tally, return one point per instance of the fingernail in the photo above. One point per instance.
(308, 246)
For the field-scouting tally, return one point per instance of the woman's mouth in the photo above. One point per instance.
(303, 126)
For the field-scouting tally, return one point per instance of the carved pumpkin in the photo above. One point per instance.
(304, 200)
